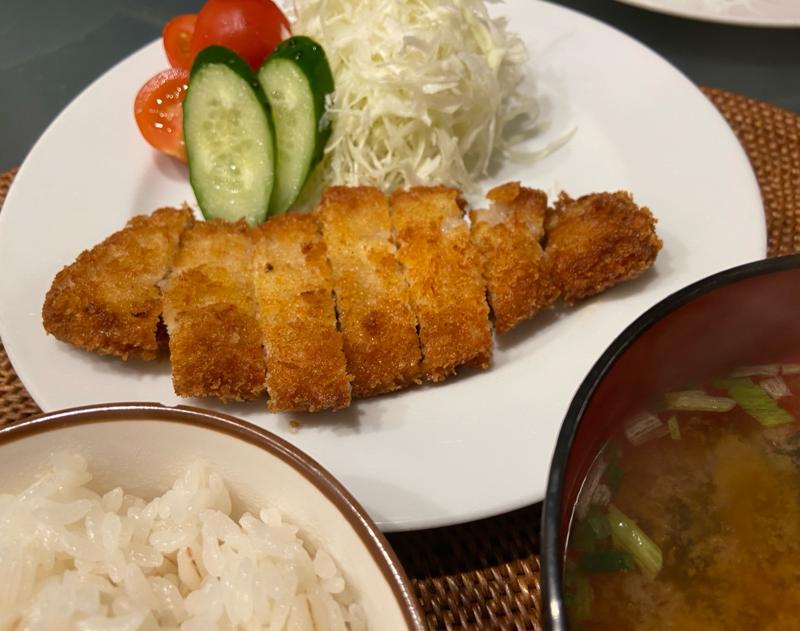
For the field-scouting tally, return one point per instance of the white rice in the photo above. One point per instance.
(73, 559)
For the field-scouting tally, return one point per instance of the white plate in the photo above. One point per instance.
(479, 444)
(784, 13)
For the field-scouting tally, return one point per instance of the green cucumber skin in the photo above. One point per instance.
(224, 56)
(227, 57)
(310, 60)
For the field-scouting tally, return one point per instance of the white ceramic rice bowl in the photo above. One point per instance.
(145, 447)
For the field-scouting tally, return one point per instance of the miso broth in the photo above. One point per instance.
(689, 518)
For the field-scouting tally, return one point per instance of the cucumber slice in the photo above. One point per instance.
(229, 139)
(296, 78)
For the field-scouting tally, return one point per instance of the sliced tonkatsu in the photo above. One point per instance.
(444, 279)
(211, 317)
(372, 299)
(108, 301)
(306, 367)
(508, 238)
(597, 241)
(367, 294)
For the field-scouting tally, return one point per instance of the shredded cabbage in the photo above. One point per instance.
(427, 91)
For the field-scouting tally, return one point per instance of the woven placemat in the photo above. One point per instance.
(15, 402)
(485, 574)
(771, 138)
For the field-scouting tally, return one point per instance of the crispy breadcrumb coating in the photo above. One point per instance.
(108, 301)
(507, 237)
(306, 367)
(597, 241)
(372, 299)
(249, 311)
(210, 313)
(443, 274)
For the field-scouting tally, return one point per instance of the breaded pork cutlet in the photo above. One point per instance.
(507, 237)
(443, 274)
(210, 313)
(108, 301)
(253, 310)
(597, 241)
(306, 367)
(377, 322)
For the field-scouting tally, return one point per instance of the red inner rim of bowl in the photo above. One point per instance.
(753, 321)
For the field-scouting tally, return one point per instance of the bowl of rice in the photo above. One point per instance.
(143, 517)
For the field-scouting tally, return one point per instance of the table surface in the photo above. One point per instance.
(50, 50)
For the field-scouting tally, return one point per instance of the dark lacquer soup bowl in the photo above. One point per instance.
(741, 324)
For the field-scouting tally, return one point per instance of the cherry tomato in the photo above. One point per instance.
(251, 28)
(159, 111)
(177, 35)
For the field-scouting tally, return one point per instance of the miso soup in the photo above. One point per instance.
(689, 518)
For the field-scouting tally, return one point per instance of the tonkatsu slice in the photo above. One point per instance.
(210, 313)
(306, 367)
(508, 238)
(597, 241)
(108, 301)
(372, 299)
(443, 275)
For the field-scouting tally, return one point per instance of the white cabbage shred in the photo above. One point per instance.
(427, 91)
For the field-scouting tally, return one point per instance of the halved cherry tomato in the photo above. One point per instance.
(159, 111)
(251, 28)
(177, 35)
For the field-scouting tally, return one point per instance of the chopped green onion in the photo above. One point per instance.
(698, 401)
(578, 597)
(589, 490)
(783, 438)
(614, 475)
(775, 387)
(643, 428)
(601, 496)
(606, 561)
(628, 536)
(582, 537)
(756, 402)
(674, 428)
(693, 390)
(599, 524)
(766, 370)
(587, 532)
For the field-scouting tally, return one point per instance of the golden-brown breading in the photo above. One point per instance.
(306, 367)
(507, 237)
(210, 313)
(442, 270)
(377, 322)
(108, 301)
(598, 240)
(253, 310)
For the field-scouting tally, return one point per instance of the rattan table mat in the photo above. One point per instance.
(485, 574)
